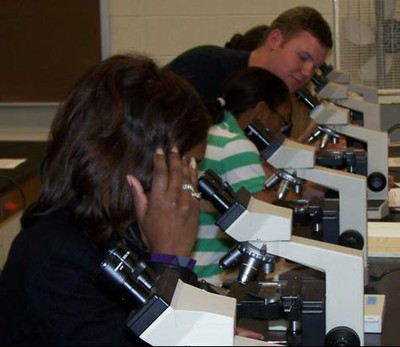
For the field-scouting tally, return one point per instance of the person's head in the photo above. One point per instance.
(248, 41)
(295, 44)
(254, 92)
(109, 126)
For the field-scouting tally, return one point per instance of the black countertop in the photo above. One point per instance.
(384, 279)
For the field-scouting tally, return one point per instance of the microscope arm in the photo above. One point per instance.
(377, 141)
(330, 114)
(377, 147)
(334, 75)
(368, 93)
(352, 196)
(290, 155)
(352, 188)
(371, 111)
(327, 89)
(377, 153)
(359, 98)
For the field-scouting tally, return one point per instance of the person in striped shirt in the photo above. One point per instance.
(249, 93)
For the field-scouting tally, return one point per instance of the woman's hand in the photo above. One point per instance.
(249, 333)
(168, 216)
(312, 126)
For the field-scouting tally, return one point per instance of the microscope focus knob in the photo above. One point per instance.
(342, 336)
(351, 239)
(376, 181)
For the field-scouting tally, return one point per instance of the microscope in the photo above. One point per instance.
(294, 163)
(167, 311)
(263, 233)
(333, 120)
(329, 72)
(362, 101)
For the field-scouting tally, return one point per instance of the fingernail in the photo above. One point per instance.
(128, 178)
(174, 149)
(160, 151)
(193, 163)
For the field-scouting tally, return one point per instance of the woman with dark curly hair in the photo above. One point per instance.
(121, 147)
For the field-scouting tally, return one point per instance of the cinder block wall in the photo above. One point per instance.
(164, 28)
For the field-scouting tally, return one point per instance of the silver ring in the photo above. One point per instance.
(189, 188)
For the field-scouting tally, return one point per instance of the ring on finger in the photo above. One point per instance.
(189, 188)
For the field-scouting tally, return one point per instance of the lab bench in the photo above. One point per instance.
(384, 279)
(19, 187)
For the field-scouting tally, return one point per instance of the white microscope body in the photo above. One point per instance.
(336, 119)
(298, 159)
(268, 227)
(356, 97)
(377, 155)
(334, 75)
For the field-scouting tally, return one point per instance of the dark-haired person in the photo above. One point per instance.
(248, 94)
(121, 146)
(295, 44)
(248, 41)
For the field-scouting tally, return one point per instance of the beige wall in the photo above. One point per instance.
(164, 28)
(161, 29)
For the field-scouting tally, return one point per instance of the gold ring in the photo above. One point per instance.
(189, 188)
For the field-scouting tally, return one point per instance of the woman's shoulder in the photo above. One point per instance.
(51, 225)
(51, 235)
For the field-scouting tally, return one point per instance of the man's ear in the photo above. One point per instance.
(274, 39)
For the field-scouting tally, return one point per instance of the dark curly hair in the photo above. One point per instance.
(248, 41)
(248, 86)
(109, 126)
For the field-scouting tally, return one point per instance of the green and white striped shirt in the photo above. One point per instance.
(236, 160)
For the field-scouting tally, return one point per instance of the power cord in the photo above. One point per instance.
(393, 128)
(18, 187)
(376, 278)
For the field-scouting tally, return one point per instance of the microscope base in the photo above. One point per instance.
(330, 231)
(330, 222)
(374, 304)
(274, 301)
(377, 209)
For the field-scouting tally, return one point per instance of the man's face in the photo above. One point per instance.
(295, 60)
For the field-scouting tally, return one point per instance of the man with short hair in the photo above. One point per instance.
(295, 44)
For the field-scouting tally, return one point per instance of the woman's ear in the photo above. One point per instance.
(262, 110)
